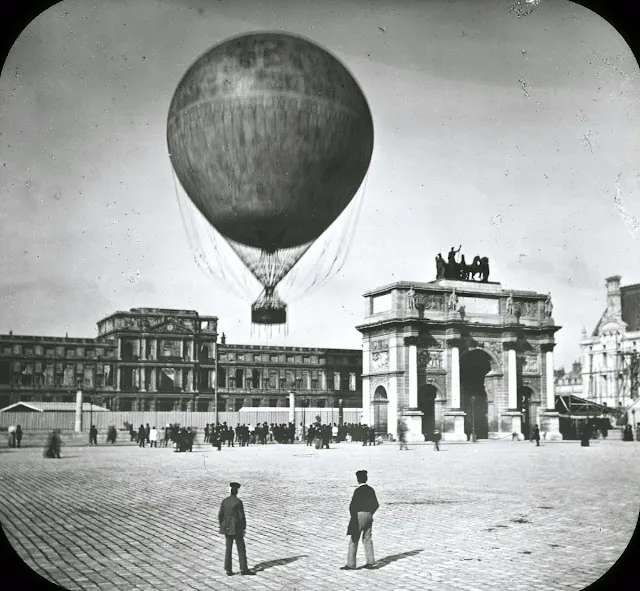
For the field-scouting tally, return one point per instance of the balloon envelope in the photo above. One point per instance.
(270, 137)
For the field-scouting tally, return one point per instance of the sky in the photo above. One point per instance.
(515, 137)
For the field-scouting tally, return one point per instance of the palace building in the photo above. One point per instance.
(164, 359)
(471, 359)
(611, 354)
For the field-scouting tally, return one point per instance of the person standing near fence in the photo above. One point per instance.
(141, 436)
(233, 524)
(18, 435)
(11, 431)
(153, 437)
(93, 435)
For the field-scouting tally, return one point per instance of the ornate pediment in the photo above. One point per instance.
(169, 326)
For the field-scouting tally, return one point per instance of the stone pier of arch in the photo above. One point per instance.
(482, 367)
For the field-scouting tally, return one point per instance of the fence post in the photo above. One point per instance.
(78, 423)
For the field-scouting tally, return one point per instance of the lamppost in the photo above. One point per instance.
(304, 418)
(633, 420)
(473, 419)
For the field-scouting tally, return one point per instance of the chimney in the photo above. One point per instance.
(614, 299)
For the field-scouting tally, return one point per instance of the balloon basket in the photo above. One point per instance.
(268, 310)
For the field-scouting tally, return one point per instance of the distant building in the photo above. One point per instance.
(610, 357)
(251, 376)
(165, 359)
(569, 383)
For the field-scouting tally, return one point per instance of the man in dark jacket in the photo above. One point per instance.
(233, 525)
(363, 505)
(536, 435)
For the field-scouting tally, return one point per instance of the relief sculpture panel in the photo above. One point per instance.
(379, 360)
(431, 302)
(429, 359)
(530, 364)
(526, 309)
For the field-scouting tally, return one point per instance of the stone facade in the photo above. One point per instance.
(155, 359)
(469, 359)
(610, 355)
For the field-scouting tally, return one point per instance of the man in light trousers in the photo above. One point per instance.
(363, 505)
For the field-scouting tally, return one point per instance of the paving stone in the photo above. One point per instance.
(489, 515)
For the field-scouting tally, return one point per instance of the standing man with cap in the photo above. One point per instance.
(233, 525)
(363, 505)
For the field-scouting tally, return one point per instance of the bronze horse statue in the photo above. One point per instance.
(480, 266)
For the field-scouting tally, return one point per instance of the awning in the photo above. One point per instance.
(576, 407)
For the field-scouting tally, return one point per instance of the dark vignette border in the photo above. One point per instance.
(619, 13)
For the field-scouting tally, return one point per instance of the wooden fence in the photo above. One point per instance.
(65, 421)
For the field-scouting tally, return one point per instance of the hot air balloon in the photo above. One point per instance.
(270, 137)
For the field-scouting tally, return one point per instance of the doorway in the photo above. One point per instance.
(380, 411)
(474, 367)
(525, 395)
(427, 404)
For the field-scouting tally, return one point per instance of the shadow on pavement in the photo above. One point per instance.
(394, 557)
(278, 562)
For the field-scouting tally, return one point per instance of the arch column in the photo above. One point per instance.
(367, 416)
(412, 416)
(454, 417)
(513, 415)
(550, 423)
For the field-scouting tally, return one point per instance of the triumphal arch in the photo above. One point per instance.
(468, 358)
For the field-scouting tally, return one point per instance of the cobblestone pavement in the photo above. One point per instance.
(491, 515)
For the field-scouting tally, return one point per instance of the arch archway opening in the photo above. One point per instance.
(380, 410)
(427, 404)
(525, 397)
(474, 367)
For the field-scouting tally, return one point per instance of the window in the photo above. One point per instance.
(306, 360)
(298, 358)
(257, 357)
(273, 379)
(240, 356)
(222, 357)
(290, 359)
(4, 372)
(282, 379)
(255, 402)
(239, 378)
(239, 403)
(314, 359)
(273, 402)
(17, 349)
(231, 356)
(273, 359)
(222, 377)
(352, 382)
(255, 378)
(321, 402)
(28, 350)
(229, 405)
(290, 378)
